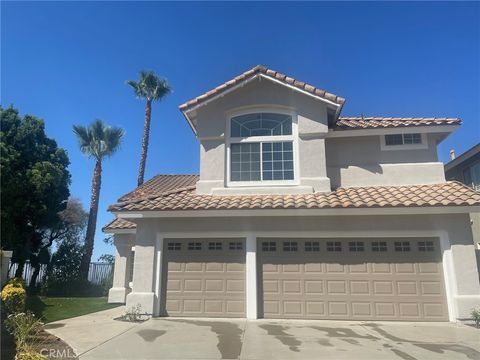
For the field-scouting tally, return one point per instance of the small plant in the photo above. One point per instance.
(13, 298)
(23, 326)
(133, 314)
(476, 316)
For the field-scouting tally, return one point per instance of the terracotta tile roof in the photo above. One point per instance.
(446, 194)
(162, 184)
(361, 122)
(119, 224)
(260, 69)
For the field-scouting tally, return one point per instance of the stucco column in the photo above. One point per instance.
(143, 293)
(5, 259)
(123, 257)
(251, 276)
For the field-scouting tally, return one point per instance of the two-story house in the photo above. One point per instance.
(300, 213)
(466, 169)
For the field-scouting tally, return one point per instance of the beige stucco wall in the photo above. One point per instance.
(454, 231)
(312, 127)
(360, 161)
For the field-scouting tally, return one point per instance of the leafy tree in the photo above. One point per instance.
(151, 88)
(34, 184)
(107, 258)
(72, 222)
(97, 141)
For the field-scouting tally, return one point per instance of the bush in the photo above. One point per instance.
(23, 326)
(13, 299)
(70, 287)
(476, 316)
(107, 283)
(16, 282)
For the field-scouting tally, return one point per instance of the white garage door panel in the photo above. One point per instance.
(347, 284)
(205, 277)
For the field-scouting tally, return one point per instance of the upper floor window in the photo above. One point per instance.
(261, 147)
(402, 139)
(261, 124)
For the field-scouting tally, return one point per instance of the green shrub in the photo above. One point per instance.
(16, 282)
(23, 326)
(107, 284)
(476, 316)
(60, 287)
(13, 299)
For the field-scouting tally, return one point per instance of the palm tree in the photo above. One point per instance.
(97, 141)
(149, 87)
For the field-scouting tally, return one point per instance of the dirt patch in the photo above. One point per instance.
(53, 347)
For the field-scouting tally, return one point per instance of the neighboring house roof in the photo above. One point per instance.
(119, 224)
(185, 198)
(260, 69)
(363, 122)
(463, 157)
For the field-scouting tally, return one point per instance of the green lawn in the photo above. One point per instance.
(56, 308)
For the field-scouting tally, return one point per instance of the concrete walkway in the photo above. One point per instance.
(97, 336)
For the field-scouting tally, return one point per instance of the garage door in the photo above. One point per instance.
(380, 279)
(205, 277)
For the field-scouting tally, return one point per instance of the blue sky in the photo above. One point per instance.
(66, 62)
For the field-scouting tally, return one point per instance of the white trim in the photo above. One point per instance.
(385, 147)
(259, 139)
(158, 275)
(251, 276)
(405, 130)
(299, 212)
(445, 245)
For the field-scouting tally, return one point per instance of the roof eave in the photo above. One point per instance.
(404, 210)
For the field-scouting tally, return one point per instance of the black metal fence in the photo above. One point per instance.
(96, 274)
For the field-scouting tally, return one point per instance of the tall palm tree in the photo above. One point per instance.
(149, 87)
(97, 141)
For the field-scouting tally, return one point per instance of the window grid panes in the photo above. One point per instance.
(174, 246)
(261, 124)
(245, 162)
(269, 246)
(277, 160)
(290, 246)
(425, 246)
(356, 246)
(312, 246)
(403, 139)
(214, 246)
(235, 245)
(334, 246)
(402, 246)
(379, 246)
(194, 246)
(412, 139)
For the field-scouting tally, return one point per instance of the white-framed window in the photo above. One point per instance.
(262, 147)
(403, 141)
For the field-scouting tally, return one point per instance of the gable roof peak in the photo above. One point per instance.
(269, 73)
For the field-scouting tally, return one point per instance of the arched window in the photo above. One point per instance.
(261, 148)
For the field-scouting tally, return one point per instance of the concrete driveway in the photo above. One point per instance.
(179, 338)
